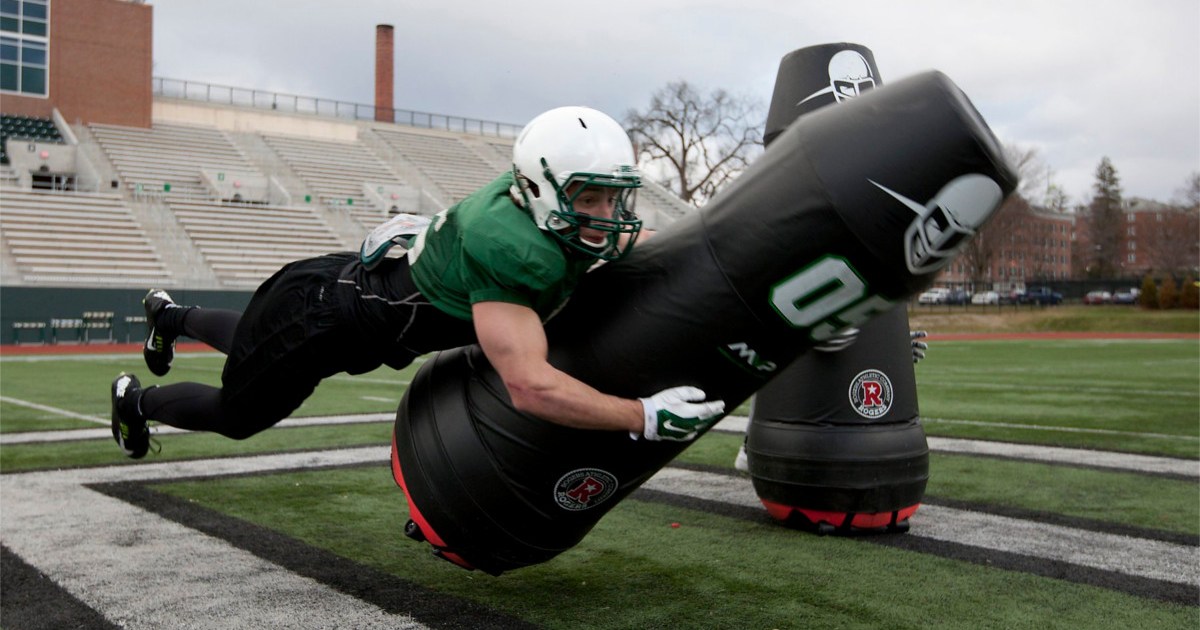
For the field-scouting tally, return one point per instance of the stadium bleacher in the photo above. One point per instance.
(167, 159)
(334, 170)
(163, 223)
(26, 128)
(78, 239)
(446, 160)
(244, 245)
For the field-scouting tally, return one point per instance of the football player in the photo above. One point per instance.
(489, 270)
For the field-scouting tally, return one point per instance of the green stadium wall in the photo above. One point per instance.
(42, 304)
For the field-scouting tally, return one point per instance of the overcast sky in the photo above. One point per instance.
(1075, 79)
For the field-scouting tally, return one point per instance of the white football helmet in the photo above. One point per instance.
(569, 145)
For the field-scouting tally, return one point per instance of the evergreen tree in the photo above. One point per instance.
(1148, 298)
(1104, 224)
(1168, 293)
(1190, 294)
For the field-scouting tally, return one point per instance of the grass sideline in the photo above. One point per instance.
(715, 570)
(1029, 319)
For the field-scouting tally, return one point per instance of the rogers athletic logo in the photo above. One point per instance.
(584, 488)
(871, 394)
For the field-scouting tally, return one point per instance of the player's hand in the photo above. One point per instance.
(841, 340)
(918, 347)
(678, 414)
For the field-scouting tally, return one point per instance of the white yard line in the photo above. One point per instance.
(29, 437)
(731, 424)
(1151, 559)
(54, 410)
(1059, 455)
(1050, 454)
(1035, 427)
(140, 570)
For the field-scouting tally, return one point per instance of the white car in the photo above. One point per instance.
(986, 297)
(936, 295)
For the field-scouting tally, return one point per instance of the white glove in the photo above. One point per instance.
(841, 340)
(918, 347)
(678, 414)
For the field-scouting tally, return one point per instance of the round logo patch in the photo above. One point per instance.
(871, 394)
(584, 488)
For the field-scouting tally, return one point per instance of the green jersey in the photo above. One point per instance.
(486, 248)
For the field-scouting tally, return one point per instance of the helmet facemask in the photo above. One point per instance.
(567, 225)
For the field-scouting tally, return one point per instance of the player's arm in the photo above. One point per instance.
(514, 341)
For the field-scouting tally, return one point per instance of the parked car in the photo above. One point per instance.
(1097, 297)
(1042, 296)
(1126, 296)
(986, 297)
(936, 295)
(958, 296)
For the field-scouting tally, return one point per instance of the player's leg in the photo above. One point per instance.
(166, 320)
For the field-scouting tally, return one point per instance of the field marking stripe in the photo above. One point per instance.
(1152, 559)
(393, 593)
(960, 384)
(55, 410)
(1050, 454)
(1038, 427)
(1060, 455)
(32, 601)
(141, 570)
(737, 425)
(31, 437)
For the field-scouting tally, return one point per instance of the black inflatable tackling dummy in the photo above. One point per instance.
(850, 211)
(835, 442)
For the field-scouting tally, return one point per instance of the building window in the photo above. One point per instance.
(24, 46)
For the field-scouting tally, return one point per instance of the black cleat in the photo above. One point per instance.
(131, 433)
(159, 350)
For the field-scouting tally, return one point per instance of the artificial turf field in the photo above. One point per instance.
(337, 522)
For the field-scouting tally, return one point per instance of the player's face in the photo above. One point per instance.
(595, 201)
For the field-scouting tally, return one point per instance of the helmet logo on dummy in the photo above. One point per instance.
(943, 226)
(849, 76)
(871, 394)
(584, 488)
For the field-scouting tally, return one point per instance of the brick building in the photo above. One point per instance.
(1160, 237)
(90, 59)
(1021, 244)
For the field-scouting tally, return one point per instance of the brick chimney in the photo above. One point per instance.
(384, 56)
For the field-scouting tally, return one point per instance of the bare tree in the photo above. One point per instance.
(1034, 173)
(1173, 246)
(1057, 199)
(1189, 195)
(1005, 241)
(695, 143)
(1002, 243)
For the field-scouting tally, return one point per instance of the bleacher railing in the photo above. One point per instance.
(278, 101)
